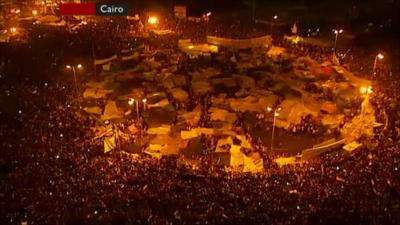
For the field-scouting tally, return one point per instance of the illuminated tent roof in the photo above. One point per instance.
(179, 94)
(111, 111)
(93, 110)
(252, 104)
(192, 117)
(222, 115)
(292, 110)
(196, 48)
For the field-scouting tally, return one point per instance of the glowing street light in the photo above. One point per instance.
(73, 68)
(153, 20)
(276, 113)
(336, 32)
(380, 56)
(34, 12)
(190, 47)
(13, 30)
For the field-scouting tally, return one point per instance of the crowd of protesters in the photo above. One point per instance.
(54, 172)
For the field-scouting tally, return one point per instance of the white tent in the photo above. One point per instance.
(111, 111)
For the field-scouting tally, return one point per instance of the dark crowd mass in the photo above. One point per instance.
(53, 170)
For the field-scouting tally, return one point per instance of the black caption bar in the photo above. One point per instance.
(111, 9)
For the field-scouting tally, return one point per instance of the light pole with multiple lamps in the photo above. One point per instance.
(276, 113)
(73, 68)
(336, 32)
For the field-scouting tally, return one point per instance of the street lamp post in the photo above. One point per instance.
(207, 20)
(275, 17)
(336, 32)
(379, 56)
(144, 103)
(73, 68)
(132, 101)
(253, 11)
(276, 113)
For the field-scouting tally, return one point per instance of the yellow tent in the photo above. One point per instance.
(189, 134)
(222, 115)
(193, 117)
(164, 129)
(274, 52)
(180, 95)
(282, 161)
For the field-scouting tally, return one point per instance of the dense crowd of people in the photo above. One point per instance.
(54, 172)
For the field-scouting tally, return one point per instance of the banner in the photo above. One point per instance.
(180, 12)
(130, 57)
(316, 151)
(240, 43)
(164, 129)
(107, 67)
(253, 163)
(104, 61)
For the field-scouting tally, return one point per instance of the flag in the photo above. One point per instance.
(109, 143)
(335, 60)
(294, 29)
(104, 61)
(109, 139)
